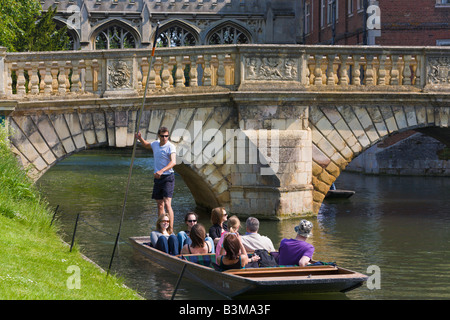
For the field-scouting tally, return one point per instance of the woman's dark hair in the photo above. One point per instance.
(231, 244)
(198, 235)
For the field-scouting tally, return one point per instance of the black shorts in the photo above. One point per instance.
(163, 187)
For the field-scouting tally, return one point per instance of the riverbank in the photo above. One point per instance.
(35, 264)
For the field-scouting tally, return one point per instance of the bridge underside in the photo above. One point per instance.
(299, 147)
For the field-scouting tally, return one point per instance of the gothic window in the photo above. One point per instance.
(228, 35)
(176, 36)
(114, 37)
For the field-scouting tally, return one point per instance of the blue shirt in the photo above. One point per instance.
(161, 154)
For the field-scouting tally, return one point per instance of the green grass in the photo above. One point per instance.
(34, 262)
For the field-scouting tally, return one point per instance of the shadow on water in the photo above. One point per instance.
(400, 224)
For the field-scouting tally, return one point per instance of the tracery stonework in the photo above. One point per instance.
(438, 70)
(272, 68)
(120, 74)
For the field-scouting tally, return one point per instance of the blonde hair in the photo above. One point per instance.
(158, 223)
(233, 224)
(217, 214)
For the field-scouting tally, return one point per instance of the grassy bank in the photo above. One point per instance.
(34, 262)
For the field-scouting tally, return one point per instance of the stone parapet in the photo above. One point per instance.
(184, 70)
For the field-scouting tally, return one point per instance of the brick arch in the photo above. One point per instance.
(340, 133)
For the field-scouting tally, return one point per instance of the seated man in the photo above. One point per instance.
(297, 251)
(252, 240)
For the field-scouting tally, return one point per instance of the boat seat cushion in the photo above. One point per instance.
(204, 259)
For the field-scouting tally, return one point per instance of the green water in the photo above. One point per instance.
(400, 224)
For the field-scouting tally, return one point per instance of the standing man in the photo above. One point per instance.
(164, 153)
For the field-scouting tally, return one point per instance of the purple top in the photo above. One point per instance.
(292, 250)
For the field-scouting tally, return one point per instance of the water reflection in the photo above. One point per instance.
(397, 223)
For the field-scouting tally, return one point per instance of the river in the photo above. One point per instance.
(396, 225)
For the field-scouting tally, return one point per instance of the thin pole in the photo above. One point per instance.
(54, 215)
(138, 124)
(178, 282)
(74, 231)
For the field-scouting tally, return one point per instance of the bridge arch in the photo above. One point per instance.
(341, 133)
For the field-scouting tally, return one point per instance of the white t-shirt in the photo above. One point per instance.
(161, 154)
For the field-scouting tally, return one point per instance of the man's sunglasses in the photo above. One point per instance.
(164, 135)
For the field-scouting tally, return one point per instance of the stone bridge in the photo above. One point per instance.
(263, 130)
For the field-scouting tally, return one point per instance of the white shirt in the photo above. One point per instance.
(254, 241)
(161, 154)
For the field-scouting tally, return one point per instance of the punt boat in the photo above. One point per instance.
(238, 283)
(339, 193)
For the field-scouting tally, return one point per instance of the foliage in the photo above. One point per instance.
(22, 28)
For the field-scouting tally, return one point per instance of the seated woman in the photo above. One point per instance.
(236, 256)
(218, 218)
(163, 239)
(198, 244)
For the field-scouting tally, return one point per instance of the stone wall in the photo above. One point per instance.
(416, 154)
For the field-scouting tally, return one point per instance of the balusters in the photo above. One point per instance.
(165, 76)
(54, 72)
(381, 70)
(32, 69)
(207, 70)
(343, 76)
(221, 70)
(330, 70)
(21, 81)
(417, 71)
(193, 73)
(356, 72)
(368, 71)
(394, 70)
(62, 77)
(179, 73)
(318, 70)
(76, 85)
(406, 70)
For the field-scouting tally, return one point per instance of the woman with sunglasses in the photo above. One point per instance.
(190, 219)
(218, 219)
(163, 238)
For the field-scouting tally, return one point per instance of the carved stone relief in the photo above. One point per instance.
(273, 68)
(120, 74)
(438, 70)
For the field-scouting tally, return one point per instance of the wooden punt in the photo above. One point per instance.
(254, 281)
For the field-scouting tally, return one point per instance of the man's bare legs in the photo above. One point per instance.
(166, 205)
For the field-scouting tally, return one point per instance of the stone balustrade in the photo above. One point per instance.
(37, 75)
